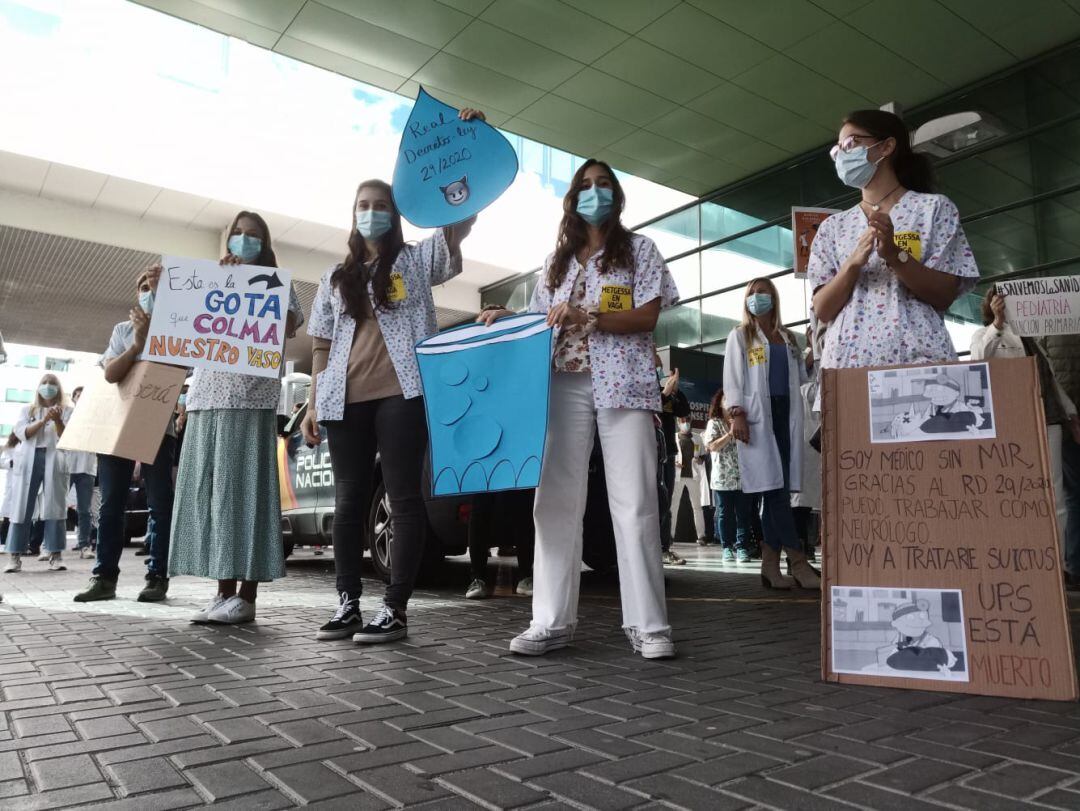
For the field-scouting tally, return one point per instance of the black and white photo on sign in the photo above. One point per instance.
(905, 633)
(931, 403)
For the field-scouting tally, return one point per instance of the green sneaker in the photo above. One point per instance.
(99, 589)
(157, 588)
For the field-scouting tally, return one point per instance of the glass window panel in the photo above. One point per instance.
(721, 314)
(18, 396)
(687, 274)
(679, 326)
(57, 365)
(675, 234)
(749, 257)
(720, 222)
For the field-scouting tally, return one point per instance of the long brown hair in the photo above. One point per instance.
(749, 325)
(266, 258)
(574, 232)
(350, 277)
(716, 407)
(913, 169)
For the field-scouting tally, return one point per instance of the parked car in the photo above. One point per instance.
(307, 507)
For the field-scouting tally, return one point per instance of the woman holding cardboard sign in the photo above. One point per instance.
(602, 289)
(885, 270)
(39, 469)
(227, 513)
(368, 314)
(763, 373)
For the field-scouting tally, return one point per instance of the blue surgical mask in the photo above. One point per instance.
(181, 400)
(373, 224)
(244, 247)
(594, 205)
(759, 303)
(146, 301)
(854, 168)
(48, 390)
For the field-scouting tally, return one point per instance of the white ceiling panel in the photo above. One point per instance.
(22, 174)
(72, 184)
(127, 196)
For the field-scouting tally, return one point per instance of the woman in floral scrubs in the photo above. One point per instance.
(885, 270)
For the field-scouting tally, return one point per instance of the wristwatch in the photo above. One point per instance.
(902, 256)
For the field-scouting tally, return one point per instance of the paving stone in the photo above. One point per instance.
(152, 774)
(224, 780)
(965, 797)
(77, 770)
(47, 725)
(775, 795)
(104, 727)
(715, 772)
(821, 771)
(304, 754)
(864, 796)
(308, 782)
(524, 742)
(460, 761)
(400, 786)
(490, 789)
(1015, 780)
(620, 771)
(161, 801)
(235, 730)
(131, 695)
(10, 766)
(584, 791)
(674, 791)
(917, 775)
(1058, 798)
(61, 798)
(171, 728)
(530, 768)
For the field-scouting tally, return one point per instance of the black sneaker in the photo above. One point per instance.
(156, 589)
(142, 551)
(389, 624)
(345, 622)
(99, 589)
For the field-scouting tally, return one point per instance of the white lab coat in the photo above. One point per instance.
(747, 387)
(53, 503)
(987, 342)
(810, 494)
(7, 462)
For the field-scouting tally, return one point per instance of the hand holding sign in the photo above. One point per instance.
(450, 165)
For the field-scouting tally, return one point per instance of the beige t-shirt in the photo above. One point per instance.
(371, 374)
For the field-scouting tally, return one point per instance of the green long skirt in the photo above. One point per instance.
(227, 512)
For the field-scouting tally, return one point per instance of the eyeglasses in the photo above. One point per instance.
(848, 144)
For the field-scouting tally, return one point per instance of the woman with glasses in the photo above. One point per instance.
(885, 270)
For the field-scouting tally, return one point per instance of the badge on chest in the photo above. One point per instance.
(911, 242)
(616, 298)
(755, 355)
(397, 291)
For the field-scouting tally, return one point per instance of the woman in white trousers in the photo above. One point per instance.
(602, 289)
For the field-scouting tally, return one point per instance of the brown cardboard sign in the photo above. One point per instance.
(942, 567)
(126, 419)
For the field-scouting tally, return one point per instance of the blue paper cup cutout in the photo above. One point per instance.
(503, 373)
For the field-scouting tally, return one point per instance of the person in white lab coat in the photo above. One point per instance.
(806, 503)
(82, 467)
(689, 472)
(997, 339)
(7, 462)
(763, 373)
(40, 469)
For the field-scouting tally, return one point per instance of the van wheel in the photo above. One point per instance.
(380, 532)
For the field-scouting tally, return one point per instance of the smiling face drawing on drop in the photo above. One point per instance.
(457, 192)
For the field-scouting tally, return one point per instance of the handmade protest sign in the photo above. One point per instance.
(230, 318)
(126, 419)
(941, 568)
(804, 227)
(486, 395)
(1038, 307)
(448, 169)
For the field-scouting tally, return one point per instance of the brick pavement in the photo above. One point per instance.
(125, 705)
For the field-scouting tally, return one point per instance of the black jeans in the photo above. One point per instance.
(666, 507)
(397, 428)
(511, 513)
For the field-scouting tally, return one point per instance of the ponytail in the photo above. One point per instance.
(913, 169)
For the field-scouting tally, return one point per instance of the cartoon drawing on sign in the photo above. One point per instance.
(904, 633)
(931, 403)
(448, 169)
(457, 192)
(486, 396)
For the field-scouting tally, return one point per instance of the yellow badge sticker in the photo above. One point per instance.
(616, 298)
(911, 242)
(397, 290)
(755, 355)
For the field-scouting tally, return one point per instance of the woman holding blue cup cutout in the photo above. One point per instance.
(602, 290)
(369, 313)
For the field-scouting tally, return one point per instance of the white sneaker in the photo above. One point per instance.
(44, 556)
(86, 553)
(651, 646)
(525, 587)
(234, 611)
(203, 614)
(56, 563)
(538, 641)
(15, 565)
(478, 590)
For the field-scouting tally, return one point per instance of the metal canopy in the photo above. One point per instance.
(693, 94)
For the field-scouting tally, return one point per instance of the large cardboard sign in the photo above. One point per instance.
(1038, 307)
(230, 318)
(804, 227)
(942, 569)
(126, 419)
(448, 169)
(486, 394)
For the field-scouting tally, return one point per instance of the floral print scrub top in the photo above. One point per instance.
(884, 323)
(572, 350)
(622, 366)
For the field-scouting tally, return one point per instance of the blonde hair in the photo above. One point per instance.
(749, 325)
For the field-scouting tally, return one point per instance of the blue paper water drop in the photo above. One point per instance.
(480, 383)
(476, 437)
(452, 406)
(447, 169)
(453, 373)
